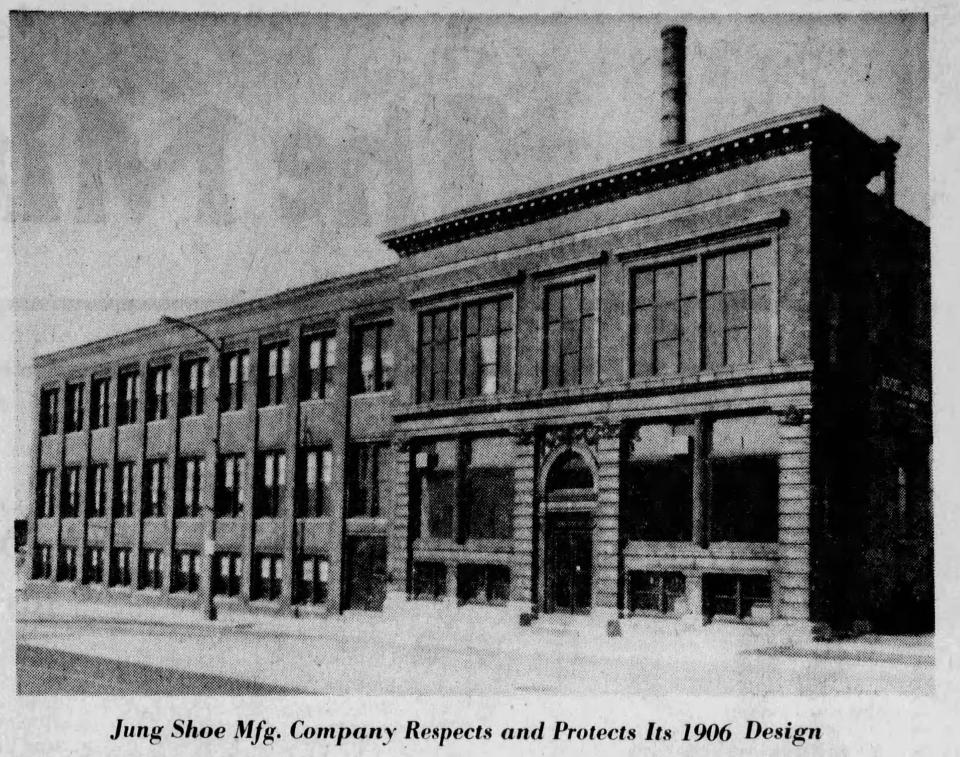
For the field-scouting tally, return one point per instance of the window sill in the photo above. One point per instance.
(380, 393)
(317, 400)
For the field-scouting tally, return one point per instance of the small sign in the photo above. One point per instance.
(209, 546)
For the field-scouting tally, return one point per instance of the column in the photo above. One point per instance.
(83, 483)
(59, 480)
(173, 447)
(113, 393)
(252, 414)
(213, 407)
(521, 572)
(136, 552)
(291, 394)
(340, 435)
(399, 536)
(606, 523)
(701, 527)
(34, 482)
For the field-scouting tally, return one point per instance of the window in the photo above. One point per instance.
(274, 367)
(93, 565)
(70, 505)
(151, 569)
(155, 485)
(234, 373)
(569, 350)
(100, 403)
(67, 564)
(659, 593)
(97, 491)
(369, 478)
(120, 567)
(319, 361)
(488, 488)
(437, 474)
(571, 475)
(231, 496)
(312, 580)
(49, 411)
(42, 561)
(194, 381)
(272, 478)
(373, 358)
(316, 478)
(737, 597)
(74, 415)
(185, 573)
(46, 497)
(123, 492)
(268, 581)
(158, 390)
(429, 580)
(483, 584)
(484, 351)
(227, 577)
(192, 471)
(127, 400)
(657, 493)
(738, 298)
(665, 335)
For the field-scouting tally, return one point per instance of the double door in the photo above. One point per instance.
(569, 563)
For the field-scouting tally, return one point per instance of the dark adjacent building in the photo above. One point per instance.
(694, 387)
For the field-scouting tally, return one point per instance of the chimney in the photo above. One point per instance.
(673, 118)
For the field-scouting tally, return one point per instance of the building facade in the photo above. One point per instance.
(694, 387)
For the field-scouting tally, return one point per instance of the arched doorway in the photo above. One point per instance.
(569, 493)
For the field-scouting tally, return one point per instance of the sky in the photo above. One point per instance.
(173, 163)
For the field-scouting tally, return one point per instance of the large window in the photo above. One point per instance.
(97, 491)
(268, 580)
(466, 488)
(483, 584)
(319, 363)
(192, 471)
(429, 580)
(272, 481)
(127, 398)
(155, 488)
(316, 477)
(274, 368)
(368, 474)
(123, 491)
(312, 580)
(74, 415)
(158, 392)
(657, 500)
(231, 493)
(734, 597)
(49, 411)
(475, 339)
(229, 570)
(233, 379)
(569, 352)
(194, 380)
(70, 504)
(665, 319)
(373, 358)
(46, 492)
(100, 403)
(656, 593)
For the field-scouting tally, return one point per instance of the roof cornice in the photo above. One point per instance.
(782, 134)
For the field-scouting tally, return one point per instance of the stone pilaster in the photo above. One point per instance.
(398, 528)
(252, 429)
(792, 582)
(141, 464)
(291, 411)
(521, 570)
(606, 522)
(173, 447)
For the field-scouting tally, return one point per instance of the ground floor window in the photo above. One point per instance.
(42, 561)
(186, 576)
(658, 504)
(736, 597)
(744, 498)
(151, 569)
(660, 593)
(93, 566)
(227, 578)
(312, 580)
(268, 582)
(483, 584)
(429, 580)
(120, 567)
(67, 564)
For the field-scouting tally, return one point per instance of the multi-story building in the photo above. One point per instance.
(694, 386)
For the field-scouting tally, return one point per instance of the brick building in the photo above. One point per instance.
(695, 386)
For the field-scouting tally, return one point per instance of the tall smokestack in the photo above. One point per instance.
(673, 118)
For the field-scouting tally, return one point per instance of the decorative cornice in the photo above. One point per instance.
(793, 416)
(524, 434)
(776, 136)
(590, 435)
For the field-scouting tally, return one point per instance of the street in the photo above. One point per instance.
(368, 655)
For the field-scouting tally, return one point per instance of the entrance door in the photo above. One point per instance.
(569, 563)
(366, 569)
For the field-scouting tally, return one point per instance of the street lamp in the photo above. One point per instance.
(211, 540)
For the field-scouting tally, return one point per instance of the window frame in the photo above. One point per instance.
(157, 400)
(93, 573)
(318, 382)
(47, 493)
(558, 283)
(233, 393)
(43, 562)
(96, 500)
(117, 578)
(151, 569)
(128, 391)
(274, 368)
(268, 588)
(268, 498)
(358, 383)
(100, 402)
(189, 582)
(49, 411)
(232, 582)
(194, 485)
(231, 501)
(125, 474)
(156, 479)
(320, 577)
(73, 410)
(192, 402)
(373, 502)
(67, 569)
(314, 501)
(70, 496)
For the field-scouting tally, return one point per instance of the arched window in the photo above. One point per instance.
(569, 471)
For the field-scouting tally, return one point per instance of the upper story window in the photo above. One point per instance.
(97, 491)
(46, 492)
(100, 403)
(706, 313)
(158, 392)
(49, 411)
(319, 364)
(70, 503)
(233, 374)
(155, 486)
(127, 398)
(368, 474)
(74, 415)
(192, 471)
(475, 339)
(316, 479)
(274, 368)
(123, 491)
(194, 380)
(231, 494)
(373, 358)
(272, 481)
(569, 349)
